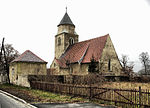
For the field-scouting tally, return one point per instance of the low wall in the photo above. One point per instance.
(21, 80)
(3, 78)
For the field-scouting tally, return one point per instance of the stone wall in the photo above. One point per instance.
(66, 28)
(79, 69)
(109, 53)
(19, 72)
(3, 78)
(23, 81)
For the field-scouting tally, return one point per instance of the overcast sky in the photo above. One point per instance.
(32, 24)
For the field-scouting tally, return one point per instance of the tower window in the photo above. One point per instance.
(71, 41)
(59, 41)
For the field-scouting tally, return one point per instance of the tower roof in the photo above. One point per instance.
(66, 20)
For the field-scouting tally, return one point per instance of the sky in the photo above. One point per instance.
(32, 24)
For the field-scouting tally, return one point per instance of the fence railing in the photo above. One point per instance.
(121, 97)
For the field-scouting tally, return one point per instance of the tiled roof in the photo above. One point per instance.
(28, 56)
(66, 20)
(83, 51)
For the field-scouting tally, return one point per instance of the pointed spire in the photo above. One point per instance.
(66, 9)
(66, 20)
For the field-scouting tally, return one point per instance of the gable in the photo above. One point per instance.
(109, 59)
(109, 50)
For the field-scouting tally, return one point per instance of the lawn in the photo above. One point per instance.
(38, 96)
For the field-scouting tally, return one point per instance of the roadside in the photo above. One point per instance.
(71, 105)
(9, 101)
(38, 96)
(42, 99)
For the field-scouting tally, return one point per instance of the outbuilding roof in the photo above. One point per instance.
(29, 56)
(82, 52)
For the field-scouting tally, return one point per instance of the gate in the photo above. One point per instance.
(121, 97)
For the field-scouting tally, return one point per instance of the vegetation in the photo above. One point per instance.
(93, 66)
(144, 58)
(127, 67)
(7, 54)
(36, 96)
(126, 85)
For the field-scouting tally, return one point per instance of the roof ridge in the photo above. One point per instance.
(81, 59)
(92, 39)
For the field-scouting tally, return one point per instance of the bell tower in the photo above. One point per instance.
(66, 35)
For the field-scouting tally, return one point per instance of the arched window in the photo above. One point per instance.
(59, 41)
(71, 41)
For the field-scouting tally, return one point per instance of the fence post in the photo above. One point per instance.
(90, 89)
(140, 94)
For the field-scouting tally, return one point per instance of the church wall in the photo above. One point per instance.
(67, 38)
(54, 68)
(109, 53)
(59, 47)
(66, 28)
(79, 69)
(63, 71)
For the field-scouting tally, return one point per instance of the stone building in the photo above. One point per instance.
(73, 57)
(26, 64)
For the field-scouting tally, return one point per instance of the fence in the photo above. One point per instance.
(120, 97)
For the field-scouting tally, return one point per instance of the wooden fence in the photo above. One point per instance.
(120, 97)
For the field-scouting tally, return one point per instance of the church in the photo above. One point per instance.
(73, 57)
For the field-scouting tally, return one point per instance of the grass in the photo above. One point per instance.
(39, 96)
(48, 97)
(126, 85)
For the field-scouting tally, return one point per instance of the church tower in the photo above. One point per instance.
(66, 35)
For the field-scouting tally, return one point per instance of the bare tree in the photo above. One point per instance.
(144, 58)
(127, 67)
(124, 60)
(7, 54)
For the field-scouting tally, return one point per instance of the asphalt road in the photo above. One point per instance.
(69, 105)
(8, 102)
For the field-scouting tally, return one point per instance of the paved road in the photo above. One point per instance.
(8, 102)
(74, 105)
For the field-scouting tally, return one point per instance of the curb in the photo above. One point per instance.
(18, 99)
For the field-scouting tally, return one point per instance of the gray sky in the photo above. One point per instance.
(32, 24)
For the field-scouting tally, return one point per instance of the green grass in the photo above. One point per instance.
(44, 96)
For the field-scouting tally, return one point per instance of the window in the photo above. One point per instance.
(17, 77)
(54, 64)
(13, 71)
(109, 65)
(59, 41)
(71, 41)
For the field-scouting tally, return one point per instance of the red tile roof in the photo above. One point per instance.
(83, 51)
(28, 56)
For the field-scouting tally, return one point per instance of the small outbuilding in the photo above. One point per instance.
(26, 64)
